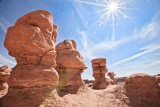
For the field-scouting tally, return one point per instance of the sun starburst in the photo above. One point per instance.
(111, 9)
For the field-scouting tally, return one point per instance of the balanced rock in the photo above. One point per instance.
(4, 75)
(31, 42)
(70, 65)
(143, 90)
(111, 75)
(99, 70)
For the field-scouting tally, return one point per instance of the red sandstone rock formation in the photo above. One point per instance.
(70, 65)
(99, 70)
(111, 75)
(31, 42)
(143, 90)
(4, 75)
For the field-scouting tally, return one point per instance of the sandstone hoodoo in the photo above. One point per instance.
(31, 42)
(111, 75)
(70, 65)
(99, 71)
(4, 75)
(143, 90)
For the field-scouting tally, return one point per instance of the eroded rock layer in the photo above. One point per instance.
(4, 75)
(143, 90)
(31, 42)
(70, 65)
(99, 71)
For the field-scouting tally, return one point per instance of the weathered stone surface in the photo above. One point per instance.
(66, 44)
(70, 65)
(143, 90)
(33, 76)
(111, 75)
(99, 70)
(31, 42)
(70, 59)
(32, 33)
(4, 75)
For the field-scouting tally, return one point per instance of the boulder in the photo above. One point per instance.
(143, 90)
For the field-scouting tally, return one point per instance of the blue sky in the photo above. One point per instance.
(136, 46)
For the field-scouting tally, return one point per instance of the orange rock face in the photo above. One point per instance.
(4, 75)
(143, 90)
(111, 75)
(70, 65)
(31, 42)
(99, 70)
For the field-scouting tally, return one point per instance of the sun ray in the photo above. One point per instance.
(125, 8)
(119, 4)
(102, 10)
(108, 2)
(112, 9)
(118, 1)
(113, 35)
(124, 15)
(99, 19)
(116, 15)
(108, 15)
(96, 4)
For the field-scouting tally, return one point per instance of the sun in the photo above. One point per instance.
(111, 10)
(112, 7)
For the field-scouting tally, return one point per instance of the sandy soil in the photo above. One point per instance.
(87, 97)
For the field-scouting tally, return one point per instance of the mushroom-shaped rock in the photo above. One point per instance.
(31, 42)
(70, 65)
(4, 75)
(99, 70)
(111, 75)
(143, 90)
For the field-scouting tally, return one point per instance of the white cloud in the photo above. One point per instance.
(6, 61)
(148, 49)
(4, 24)
(148, 31)
(85, 50)
(79, 8)
(147, 62)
